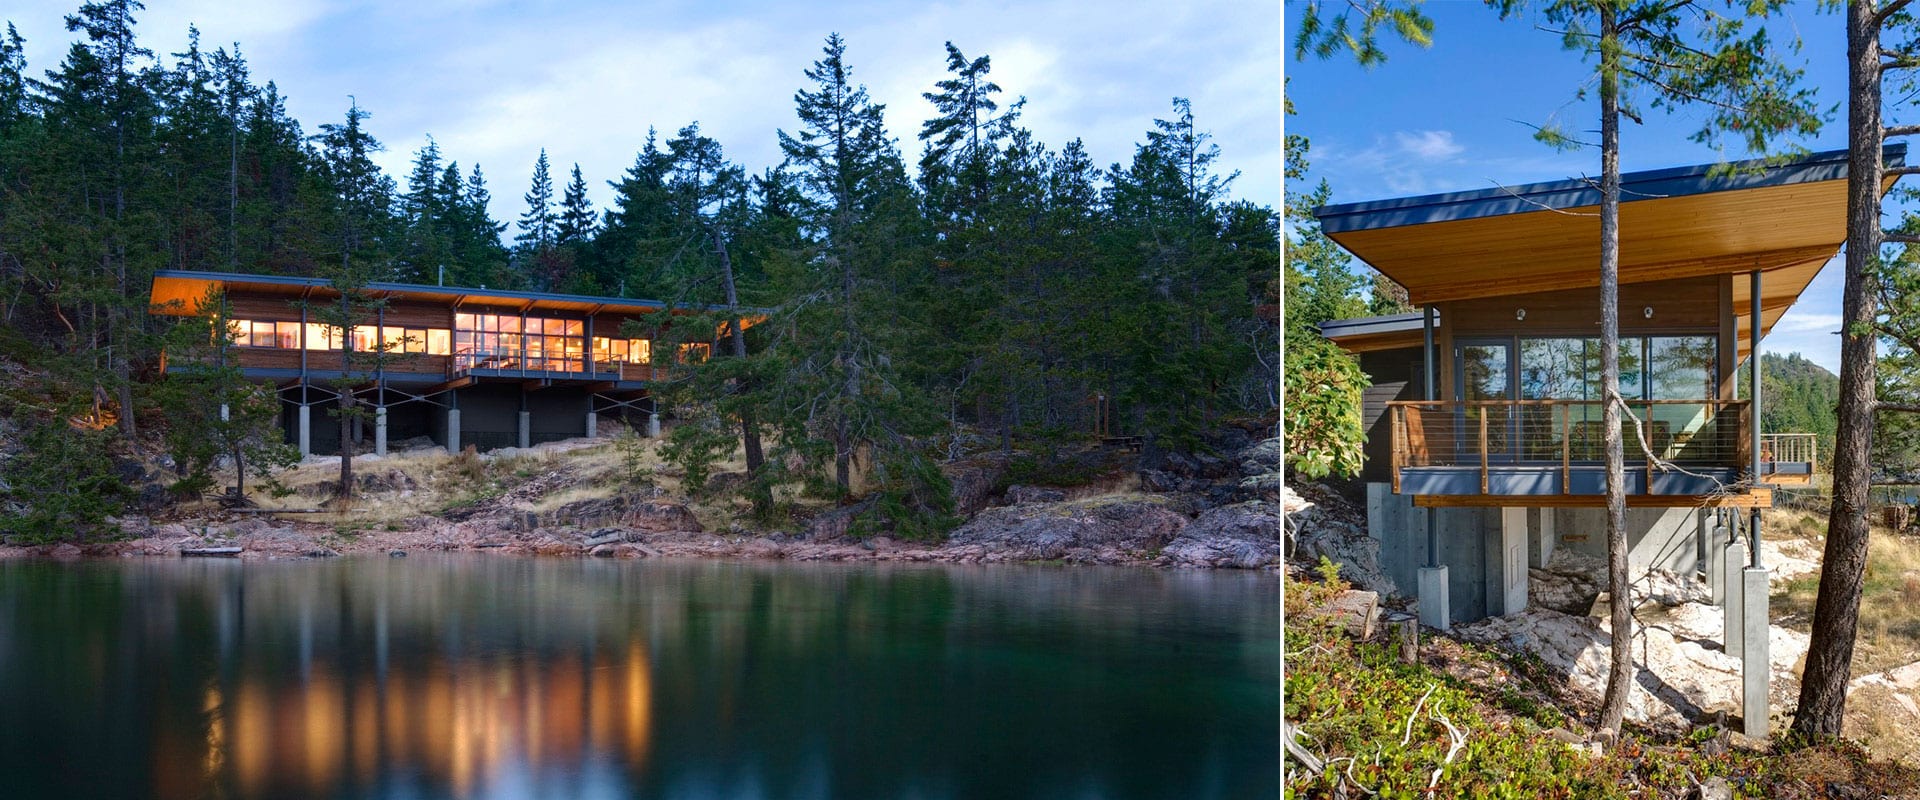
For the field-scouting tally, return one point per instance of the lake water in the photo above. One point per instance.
(432, 677)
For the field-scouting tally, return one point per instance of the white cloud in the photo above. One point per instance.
(1429, 145)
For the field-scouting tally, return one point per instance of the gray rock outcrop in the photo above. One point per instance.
(1063, 530)
(1243, 535)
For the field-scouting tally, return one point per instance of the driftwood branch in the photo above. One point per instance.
(1416, 712)
(1307, 759)
(1457, 742)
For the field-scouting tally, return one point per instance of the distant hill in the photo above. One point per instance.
(1799, 397)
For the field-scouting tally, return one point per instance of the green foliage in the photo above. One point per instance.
(695, 445)
(212, 411)
(1355, 27)
(1324, 431)
(62, 485)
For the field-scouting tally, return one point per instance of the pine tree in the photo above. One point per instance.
(859, 295)
(576, 224)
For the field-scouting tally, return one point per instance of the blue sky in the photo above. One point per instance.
(1457, 116)
(495, 82)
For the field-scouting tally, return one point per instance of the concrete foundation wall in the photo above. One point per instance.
(1488, 550)
(1657, 538)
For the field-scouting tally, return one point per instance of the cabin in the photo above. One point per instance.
(1484, 412)
(485, 368)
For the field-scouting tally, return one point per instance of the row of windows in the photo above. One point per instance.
(483, 347)
(286, 335)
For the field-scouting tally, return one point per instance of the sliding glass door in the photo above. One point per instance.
(1486, 373)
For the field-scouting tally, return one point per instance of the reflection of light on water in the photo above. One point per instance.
(475, 726)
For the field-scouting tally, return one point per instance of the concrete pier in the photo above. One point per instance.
(380, 430)
(1434, 609)
(526, 429)
(305, 431)
(453, 430)
(1732, 569)
(1756, 671)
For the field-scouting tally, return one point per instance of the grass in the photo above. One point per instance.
(1354, 705)
(1889, 634)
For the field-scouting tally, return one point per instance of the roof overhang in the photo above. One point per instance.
(1785, 220)
(1366, 334)
(178, 292)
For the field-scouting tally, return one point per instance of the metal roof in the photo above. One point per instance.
(531, 300)
(1579, 192)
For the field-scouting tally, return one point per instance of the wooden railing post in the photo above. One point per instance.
(1399, 443)
(1483, 450)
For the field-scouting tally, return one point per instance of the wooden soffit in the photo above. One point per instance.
(1785, 220)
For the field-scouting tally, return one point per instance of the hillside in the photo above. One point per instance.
(1799, 397)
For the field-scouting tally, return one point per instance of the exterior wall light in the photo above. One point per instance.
(1520, 314)
(1647, 312)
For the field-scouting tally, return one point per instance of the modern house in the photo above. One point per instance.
(1484, 429)
(463, 366)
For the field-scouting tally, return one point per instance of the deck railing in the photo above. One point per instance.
(1565, 434)
(1788, 447)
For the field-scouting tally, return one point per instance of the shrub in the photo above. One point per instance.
(62, 485)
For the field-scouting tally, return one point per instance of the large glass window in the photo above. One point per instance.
(289, 335)
(1651, 368)
(509, 341)
(627, 351)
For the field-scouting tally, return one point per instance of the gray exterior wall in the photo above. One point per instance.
(1392, 375)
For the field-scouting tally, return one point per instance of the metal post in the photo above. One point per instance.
(1753, 370)
(1433, 531)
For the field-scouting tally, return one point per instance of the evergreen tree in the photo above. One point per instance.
(858, 293)
(575, 226)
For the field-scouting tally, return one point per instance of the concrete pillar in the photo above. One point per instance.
(526, 429)
(653, 426)
(1544, 538)
(380, 430)
(1511, 547)
(593, 425)
(453, 430)
(1717, 536)
(305, 435)
(1735, 615)
(1435, 611)
(1756, 672)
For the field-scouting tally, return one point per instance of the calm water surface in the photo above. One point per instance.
(520, 678)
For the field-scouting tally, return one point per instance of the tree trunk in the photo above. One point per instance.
(1836, 614)
(346, 396)
(1613, 707)
(749, 432)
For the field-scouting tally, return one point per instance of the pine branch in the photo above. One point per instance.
(1898, 238)
(1896, 172)
(1888, 10)
(1900, 130)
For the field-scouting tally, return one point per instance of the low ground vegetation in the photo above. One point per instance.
(1472, 722)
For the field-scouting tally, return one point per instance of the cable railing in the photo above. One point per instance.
(1565, 434)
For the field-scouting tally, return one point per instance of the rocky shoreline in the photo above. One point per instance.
(1207, 514)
